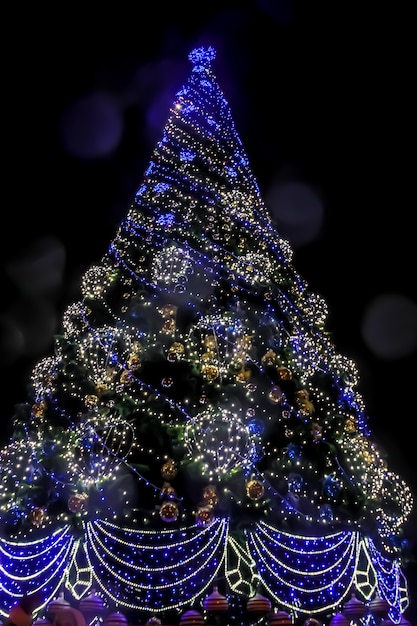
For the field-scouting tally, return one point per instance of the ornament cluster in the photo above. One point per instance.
(216, 607)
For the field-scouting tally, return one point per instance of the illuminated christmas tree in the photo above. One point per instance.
(196, 431)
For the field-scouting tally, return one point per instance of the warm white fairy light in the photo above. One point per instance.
(220, 441)
(198, 341)
(104, 443)
(238, 562)
(36, 564)
(44, 375)
(96, 280)
(299, 570)
(155, 567)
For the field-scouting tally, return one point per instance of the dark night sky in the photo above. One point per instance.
(322, 95)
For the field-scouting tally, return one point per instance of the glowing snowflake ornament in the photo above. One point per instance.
(220, 442)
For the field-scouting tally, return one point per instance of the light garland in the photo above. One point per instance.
(196, 407)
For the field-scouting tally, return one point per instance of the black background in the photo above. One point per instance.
(323, 92)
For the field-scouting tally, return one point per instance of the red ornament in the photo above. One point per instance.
(215, 602)
(379, 607)
(116, 619)
(57, 605)
(91, 606)
(258, 605)
(41, 621)
(339, 620)
(191, 618)
(279, 618)
(354, 609)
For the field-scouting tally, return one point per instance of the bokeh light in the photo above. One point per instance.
(92, 126)
(297, 210)
(389, 326)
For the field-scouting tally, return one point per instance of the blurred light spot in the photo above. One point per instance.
(40, 330)
(389, 326)
(35, 323)
(150, 78)
(40, 270)
(91, 127)
(152, 87)
(156, 114)
(11, 340)
(297, 211)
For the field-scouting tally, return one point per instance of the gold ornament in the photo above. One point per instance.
(36, 516)
(133, 361)
(243, 375)
(169, 310)
(169, 511)
(304, 404)
(204, 515)
(101, 388)
(255, 489)
(168, 326)
(210, 372)
(269, 358)
(109, 375)
(243, 344)
(169, 470)
(210, 342)
(126, 378)
(76, 502)
(177, 347)
(210, 496)
(168, 490)
(91, 401)
(316, 431)
(350, 426)
(284, 373)
(38, 409)
(275, 394)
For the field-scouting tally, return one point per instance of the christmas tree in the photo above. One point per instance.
(196, 431)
